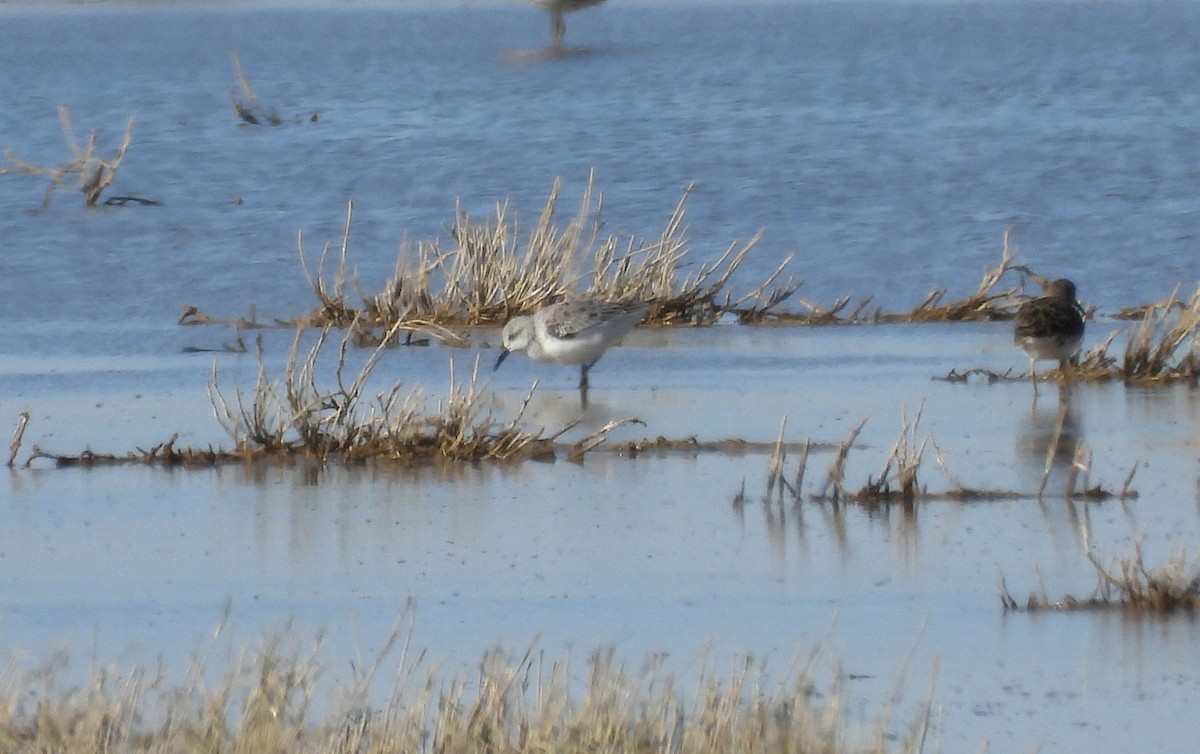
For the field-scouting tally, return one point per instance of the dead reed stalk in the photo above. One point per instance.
(900, 468)
(247, 107)
(95, 173)
(836, 477)
(18, 436)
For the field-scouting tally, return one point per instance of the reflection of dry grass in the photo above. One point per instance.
(1126, 583)
(273, 699)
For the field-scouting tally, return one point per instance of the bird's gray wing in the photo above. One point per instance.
(573, 319)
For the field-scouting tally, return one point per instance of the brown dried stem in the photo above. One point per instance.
(95, 174)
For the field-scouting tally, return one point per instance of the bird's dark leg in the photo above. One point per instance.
(583, 386)
(559, 29)
(1033, 377)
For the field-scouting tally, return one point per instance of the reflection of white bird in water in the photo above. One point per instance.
(557, 9)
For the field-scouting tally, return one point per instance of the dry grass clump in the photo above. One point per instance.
(95, 173)
(247, 107)
(295, 415)
(250, 110)
(1126, 583)
(1161, 349)
(493, 272)
(897, 481)
(273, 701)
(986, 303)
(1153, 352)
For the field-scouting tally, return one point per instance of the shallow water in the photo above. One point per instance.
(650, 554)
(890, 150)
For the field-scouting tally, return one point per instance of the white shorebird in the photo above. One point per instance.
(1050, 327)
(571, 332)
(559, 8)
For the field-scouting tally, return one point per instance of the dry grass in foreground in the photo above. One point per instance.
(272, 701)
(1126, 583)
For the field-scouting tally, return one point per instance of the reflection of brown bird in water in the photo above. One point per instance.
(1050, 327)
(557, 9)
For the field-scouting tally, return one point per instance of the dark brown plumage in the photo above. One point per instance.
(1050, 327)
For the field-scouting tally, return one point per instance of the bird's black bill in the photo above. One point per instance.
(503, 355)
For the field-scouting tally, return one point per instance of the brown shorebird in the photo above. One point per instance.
(1050, 327)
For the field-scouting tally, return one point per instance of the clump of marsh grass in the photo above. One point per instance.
(246, 106)
(986, 303)
(296, 415)
(897, 482)
(1152, 353)
(1160, 349)
(272, 698)
(494, 271)
(95, 173)
(249, 109)
(1127, 583)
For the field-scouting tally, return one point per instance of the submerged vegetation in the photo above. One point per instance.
(274, 699)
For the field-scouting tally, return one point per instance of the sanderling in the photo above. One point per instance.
(571, 332)
(1050, 327)
(557, 9)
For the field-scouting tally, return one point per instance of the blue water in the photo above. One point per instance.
(887, 145)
